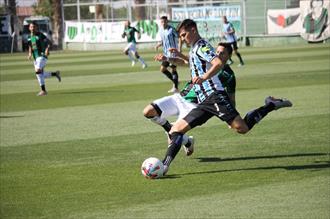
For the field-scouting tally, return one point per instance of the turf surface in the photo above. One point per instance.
(76, 153)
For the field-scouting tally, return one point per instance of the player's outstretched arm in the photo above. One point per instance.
(177, 61)
(177, 53)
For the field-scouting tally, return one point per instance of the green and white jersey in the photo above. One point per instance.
(38, 43)
(188, 93)
(129, 32)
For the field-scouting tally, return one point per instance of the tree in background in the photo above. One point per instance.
(140, 12)
(10, 9)
(53, 10)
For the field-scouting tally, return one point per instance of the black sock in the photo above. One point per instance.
(254, 116)
(167, 126)
(240, 58)
(168, 74)
(53, 74)
(43, 87)
(175, 78)
(173, 148)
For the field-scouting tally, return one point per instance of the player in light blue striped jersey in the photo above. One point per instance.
(169, 37)
(213, 100)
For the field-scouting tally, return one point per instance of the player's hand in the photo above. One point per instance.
(160, 57)
(175, 51)
(197, 80)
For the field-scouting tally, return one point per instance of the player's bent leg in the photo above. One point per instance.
(153, 112)
(176, 135)
(239, 125)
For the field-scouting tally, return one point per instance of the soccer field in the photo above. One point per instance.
(77, 152)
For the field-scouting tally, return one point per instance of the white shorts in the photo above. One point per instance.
(131, 47)
(40, 63)
(174, 105)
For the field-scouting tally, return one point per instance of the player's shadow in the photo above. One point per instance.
(318, 165)
(9, 117)
(91, 92)
(219, 159)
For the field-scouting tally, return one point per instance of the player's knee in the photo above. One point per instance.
(239, 125)
(38, 70)
(163, 69)
(241, 128)
(149, 111)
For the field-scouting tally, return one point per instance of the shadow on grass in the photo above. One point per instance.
(317, 165)
(8, 117)
(219, 159)
(292, 167)
(91, 92)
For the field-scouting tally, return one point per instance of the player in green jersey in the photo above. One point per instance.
(130, 49)
(39, 48)
(178, 104)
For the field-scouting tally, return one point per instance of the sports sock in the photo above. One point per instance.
(240, 58)
(41, 79)
(168, 74)
(47, 74)
(43, 87)
(130, 56)
(141, 60)
(175, 78)
(173, 148)
(254, 116)
(185, 141)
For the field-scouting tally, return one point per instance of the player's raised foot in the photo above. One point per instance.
(42, 93)
(133, 63)
(189, 147)
(165, 170)
(144, 66)
(278, 102)
(58, 76)
(173, 90)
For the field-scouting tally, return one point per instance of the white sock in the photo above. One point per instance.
(142, 61)
(158, 120)
(184, 139)
(41, 79)
(130, 56)
(47, 74)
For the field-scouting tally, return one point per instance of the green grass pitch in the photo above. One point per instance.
(76, 153)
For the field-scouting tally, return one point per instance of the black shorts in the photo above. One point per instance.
(234, 45)
(217, 104)
(167, 64)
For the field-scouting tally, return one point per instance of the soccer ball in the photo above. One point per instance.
(152, 168)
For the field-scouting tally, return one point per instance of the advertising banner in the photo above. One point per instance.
(315, 20)
(311, 20)
(209, 19)
(233, 12)
(284, 21)
(109, 32)
(5, 27)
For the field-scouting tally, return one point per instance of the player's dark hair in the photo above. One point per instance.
(227, 47)
(186, 24)
(34, 23)
(163, 17)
